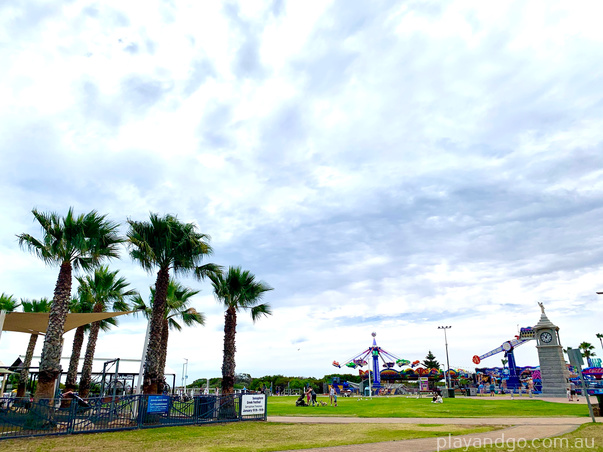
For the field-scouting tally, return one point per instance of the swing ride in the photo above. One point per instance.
(377, 355)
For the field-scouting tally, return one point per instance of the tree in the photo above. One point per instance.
(43, 305)
(177, 308)
(237, 290)
(587, 349)
(80, 305)
(430, 362)
(73, 243)
(600, 337)
(164, 243)
(108, 292)
(8, 303)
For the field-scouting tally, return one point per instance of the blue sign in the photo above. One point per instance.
(158, 404)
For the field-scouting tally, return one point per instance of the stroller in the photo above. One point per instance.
(300, 400)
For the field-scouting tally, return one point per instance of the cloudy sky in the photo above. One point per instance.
(386, 166)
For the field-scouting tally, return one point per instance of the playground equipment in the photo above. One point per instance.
(377, 355)
(513, 379)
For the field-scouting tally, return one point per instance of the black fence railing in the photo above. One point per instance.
(25, 417)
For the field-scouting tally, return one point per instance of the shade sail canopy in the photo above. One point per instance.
(4, 370)
(37, 322)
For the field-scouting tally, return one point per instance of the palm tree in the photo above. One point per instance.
(177, 308)
(81, 304)
(70, 242)
(587, 349)
(8, 303)
(107, 291)
(237, 290)
(43, 305)
(600, 337)
(166, 244)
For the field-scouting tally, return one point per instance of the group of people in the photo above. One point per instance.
(310, 395)
(437, 396)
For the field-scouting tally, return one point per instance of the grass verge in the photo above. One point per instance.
(587, 438)
(241, 436)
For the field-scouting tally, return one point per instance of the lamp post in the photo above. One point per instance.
(599, 335)
(184, 371)
(447, 361)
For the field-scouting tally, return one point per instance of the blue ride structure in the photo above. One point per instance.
(513, 379)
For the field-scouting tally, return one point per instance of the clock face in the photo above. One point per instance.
(546, 337)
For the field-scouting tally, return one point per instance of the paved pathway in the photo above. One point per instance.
(518, 428)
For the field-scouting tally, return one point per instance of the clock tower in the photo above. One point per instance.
(553, 370)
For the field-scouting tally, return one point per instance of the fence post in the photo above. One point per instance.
(141, 409)
(72, 415)
(240, 406)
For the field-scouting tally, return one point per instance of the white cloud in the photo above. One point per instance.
(386, 169)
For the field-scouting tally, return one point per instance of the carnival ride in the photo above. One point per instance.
(377, 355)
(513, 374)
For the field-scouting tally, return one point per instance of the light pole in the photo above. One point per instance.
(184, 371)
(600, 337)
(447, 361)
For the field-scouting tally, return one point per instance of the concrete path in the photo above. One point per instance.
(518, 429)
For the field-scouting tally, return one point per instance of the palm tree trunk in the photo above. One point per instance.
(25, 371)
(228, 363)
(151, 365)
(164, 343)
(78, 341)
(50, 364)
(86, 377)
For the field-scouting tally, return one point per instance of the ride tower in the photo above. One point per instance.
(375, 351)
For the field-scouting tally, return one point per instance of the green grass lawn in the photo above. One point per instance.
(412, 407)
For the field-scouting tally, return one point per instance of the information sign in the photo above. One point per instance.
(253, 404)
(158, 404)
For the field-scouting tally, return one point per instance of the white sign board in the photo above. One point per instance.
(253, 404)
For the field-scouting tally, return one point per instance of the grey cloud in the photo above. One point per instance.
(278, 7)
(201, 69)
(95, 106)
(31, 17)
(109, 15)
(247, 62)
(132, 48)
(216, 126)
(141, 92)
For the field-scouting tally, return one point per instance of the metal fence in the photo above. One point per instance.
(20, 417)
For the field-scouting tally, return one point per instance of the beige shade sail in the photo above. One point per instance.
(37, 322)
(4, 371)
